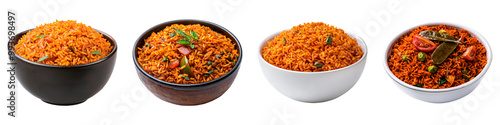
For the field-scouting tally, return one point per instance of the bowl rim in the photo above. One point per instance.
(113, 52)
(191, 21)
(472, 32)
(365, 54)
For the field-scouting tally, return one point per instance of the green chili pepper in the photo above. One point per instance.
(185, 68)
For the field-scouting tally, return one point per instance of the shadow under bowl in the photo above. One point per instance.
(187, 94)
(439, 95)
(313, 87)
(65, 85)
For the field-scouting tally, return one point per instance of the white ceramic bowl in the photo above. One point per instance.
(313, 86)
(440, 95)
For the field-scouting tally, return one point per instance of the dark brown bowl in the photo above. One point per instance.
(65, 85)
(187, 94)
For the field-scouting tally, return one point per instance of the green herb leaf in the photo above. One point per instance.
(284, 40)
(165, 59)
(465, 71)
(218, 56)
(187, 78)
(96, 53)
(296, 31)
(192, 46)
(442, 80)
(230, 59)
(40, 36)
(147, 44)
(210, 72)
(173, 34)
(183, 34)
(443, 51)
(43, 58)
(419, 85)
(329, 40)
(72, 49)
(318, 65)
(434, 35)
(193, 34)
(209, 63)
(184, 42)
(466, 78)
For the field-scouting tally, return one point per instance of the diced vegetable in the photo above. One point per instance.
(184, 50)
(405, 57)
(48, 40)
(209, 63)
(432, 69)
(450, 79)
(40, 36)
(284, 40)
(421, 56)
(173, 64)
(470, 53)
(185, 68)
(423, 44)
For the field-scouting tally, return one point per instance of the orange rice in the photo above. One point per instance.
(63, 43)
(306, 45)
(210, 47)
(415, 72)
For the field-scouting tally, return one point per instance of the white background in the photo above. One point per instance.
(251, 100)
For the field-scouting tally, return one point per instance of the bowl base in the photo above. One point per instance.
(64, 104)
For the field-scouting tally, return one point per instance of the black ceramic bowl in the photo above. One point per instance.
(65, 85)
(187, 94)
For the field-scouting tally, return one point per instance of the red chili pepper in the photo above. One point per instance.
(423, 44)
(173, 64)
(48, 40)
(184, 50)
(470, 53)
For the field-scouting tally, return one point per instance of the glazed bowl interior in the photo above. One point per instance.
(313, 86)
(215, 27)
(446, 94)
